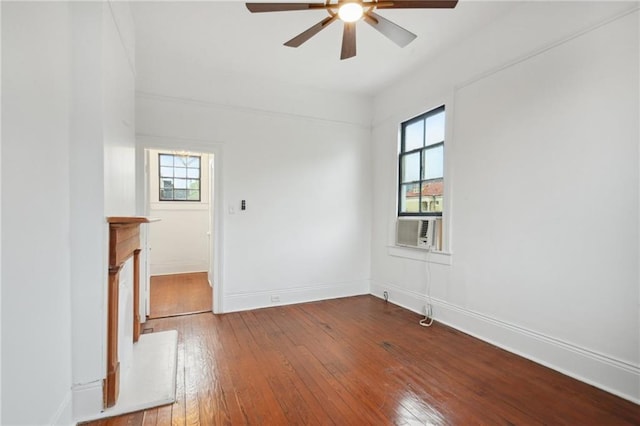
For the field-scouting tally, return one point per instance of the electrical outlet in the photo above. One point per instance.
(275, 299)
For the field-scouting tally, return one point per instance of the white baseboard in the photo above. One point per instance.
(63, 415)
(612, 375)
(177, 268)
(87, 399)
(262, 299)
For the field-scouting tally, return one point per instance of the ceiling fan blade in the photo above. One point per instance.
(392, 31)
(348, 41)
(418, 4)
(280, 7)
(306, 35)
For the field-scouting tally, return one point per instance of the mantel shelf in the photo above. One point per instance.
(131, 219)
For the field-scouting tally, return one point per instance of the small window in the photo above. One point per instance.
(179, 177)
(421, 165)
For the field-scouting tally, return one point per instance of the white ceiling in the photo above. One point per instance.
(225, 38)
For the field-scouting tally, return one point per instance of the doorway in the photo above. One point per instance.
(180, 192)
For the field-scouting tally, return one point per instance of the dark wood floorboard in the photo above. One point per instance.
(179, 294)
(361, 361)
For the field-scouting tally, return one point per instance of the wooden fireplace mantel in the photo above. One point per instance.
(124, 242)
(124, 220)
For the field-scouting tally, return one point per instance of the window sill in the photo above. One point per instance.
(439, 257)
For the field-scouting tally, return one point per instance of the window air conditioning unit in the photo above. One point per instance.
(418, 233)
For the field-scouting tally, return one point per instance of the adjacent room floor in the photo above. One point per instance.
(179, 294)
(361, 361)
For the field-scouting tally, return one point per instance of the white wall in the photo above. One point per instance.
(179, 242)
(88, 233)
(67, 99)
(118, 82)
(118, 74)
(543, 185)
(0, 235)
(102, 161)
(302, 163)
(36, 333)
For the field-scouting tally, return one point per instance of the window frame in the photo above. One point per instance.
(402, 153)
(173, 199)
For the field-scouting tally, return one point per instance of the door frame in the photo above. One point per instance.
(216, 245)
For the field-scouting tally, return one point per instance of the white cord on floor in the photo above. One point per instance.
(428, 318)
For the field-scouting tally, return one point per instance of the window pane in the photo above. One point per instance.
(166, 160)
(433, 164)
(193, 184)
(166, 171)
(422, 176)
(432, 193)
(410, 198)
(166, 194)
(180, 172)
(411, 167)
(193, 173)
(180, 194)
(435, 129)
(166, 183)
(180, 183)
(180, 161)
(193, 162)
(414, 136)
(193, 194)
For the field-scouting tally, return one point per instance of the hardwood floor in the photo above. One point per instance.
(179, 294)
(357, 361)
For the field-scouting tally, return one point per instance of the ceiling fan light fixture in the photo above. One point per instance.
(350, 12)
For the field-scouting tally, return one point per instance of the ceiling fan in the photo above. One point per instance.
(350, 12)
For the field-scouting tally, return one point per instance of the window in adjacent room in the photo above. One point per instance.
(421, 165)
(179, 177)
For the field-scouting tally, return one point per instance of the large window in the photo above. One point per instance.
(179, 177)
(421, 165)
